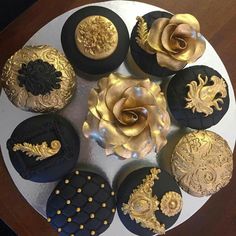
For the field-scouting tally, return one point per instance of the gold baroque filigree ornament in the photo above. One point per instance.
(38, 79)
(96, 37)
(202, 97)
(127, 117)
(176, 41)
(202, 163)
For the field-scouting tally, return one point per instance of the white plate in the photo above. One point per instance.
(37, 194)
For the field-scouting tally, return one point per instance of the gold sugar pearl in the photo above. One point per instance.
(173, 204)
(102, 185)
(49, 220)
(72, 235)
(57, 192)
(78, 209)
(69, 220)
(104, 204)
(59, 230)
(67, 181)
(93, 232)
(79, 190)
(92, 216)
(68, 202)
(90, 199)
(105, 222)
(89, 177)
(113, 210)
(81, 226)
(58, 212)
(112, 193)
(77, 172)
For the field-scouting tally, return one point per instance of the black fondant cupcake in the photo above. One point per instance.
(149, 201)
(162, 44)
(81, 204)
(198, 97)
(95, 39)
(38, 79)
(44, 148)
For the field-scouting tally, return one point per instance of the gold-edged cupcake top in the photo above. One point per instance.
(202, 163)
(38, 79)
(96, 37)
(203, 98)
(127, 116)
(176, 41)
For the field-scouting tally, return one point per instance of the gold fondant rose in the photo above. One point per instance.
(176, 41)
(127, 117)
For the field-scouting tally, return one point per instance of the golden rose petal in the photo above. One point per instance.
(92, 103)
(155, 32)
(183, 31)
(90, 126)
(117, 110)
(166, 36)
(199, 49)
(103, 83)
(151, 87)
(111, 134)
(122, 152)
(186, 19)
(170, 62)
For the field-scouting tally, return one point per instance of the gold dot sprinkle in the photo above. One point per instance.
(57, 192)
(104, 204)
(93, 232)
(90, 199)
(105, 222)
(67, 181)
(49, 220)
(59, 230)
(113, 210)
(81, 226)
(78, 209)
(59, 212)
(89, 177)
(69, 220)
(92, 216)
(77, 172)
(102, 185)
(112, 193)
(68, 202)
(79, 190)
(72, 235)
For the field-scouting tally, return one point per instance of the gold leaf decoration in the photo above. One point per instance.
(142, 205)
(202, 98)
(41, 151)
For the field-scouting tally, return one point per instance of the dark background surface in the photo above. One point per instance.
(218, 19)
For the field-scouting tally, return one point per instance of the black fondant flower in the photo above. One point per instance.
(39, 77)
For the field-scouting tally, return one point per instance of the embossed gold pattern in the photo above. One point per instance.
(41, 151)
(127, 117)
(202, 97)
(202, 163)
(171, 203)
(142, 205)
(176, 41)
(53, 101)
(96, 37)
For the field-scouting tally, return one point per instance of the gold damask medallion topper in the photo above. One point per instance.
(142, 205)
(41, 151)
(202, 97)
(96, 37)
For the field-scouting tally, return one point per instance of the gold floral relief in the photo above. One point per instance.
(202, 163)
(176, 41)
(96, 37)
(202, 97)
(127, 117)
(142, 205)
(20, 97)
(41, 151)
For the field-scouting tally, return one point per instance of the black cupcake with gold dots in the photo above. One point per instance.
(95, 40)
(149, 201)
(81, 204)
(38, 79)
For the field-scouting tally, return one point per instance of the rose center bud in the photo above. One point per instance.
(129, 117)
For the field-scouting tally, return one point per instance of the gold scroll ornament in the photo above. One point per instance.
(96, 37)
(202, 97)
(142, 206)
(41, 151)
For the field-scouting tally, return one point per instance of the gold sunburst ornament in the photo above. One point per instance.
(202, 97)
(41, 151)
(142, 205)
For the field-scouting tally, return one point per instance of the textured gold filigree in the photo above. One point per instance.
(19, 96)
(171, 203)
(142, 206)
(175, 41)
(202, 163)
(202, 97)
(41, 151)
(96, 37)
(127, 117)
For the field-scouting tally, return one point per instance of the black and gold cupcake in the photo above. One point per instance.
(149, 201)
(162, 44)
(38, 79)
(95, 40)
(81, 204)
(198, 97)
